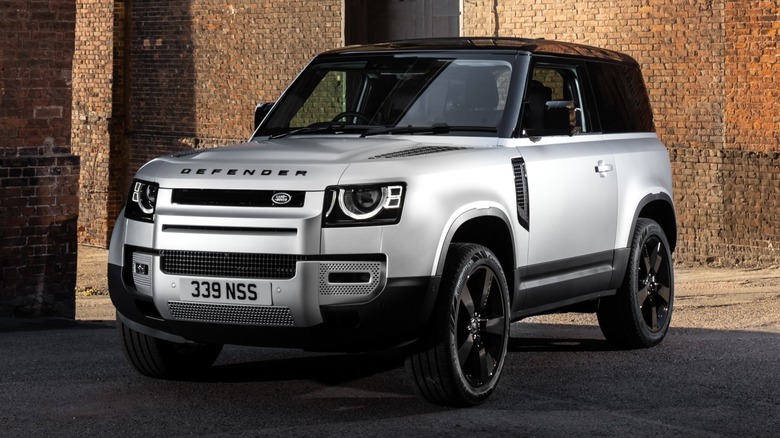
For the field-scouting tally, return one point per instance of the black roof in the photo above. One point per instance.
(531, 46)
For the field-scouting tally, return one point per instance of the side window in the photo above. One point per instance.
(621, 98)
(553, 89)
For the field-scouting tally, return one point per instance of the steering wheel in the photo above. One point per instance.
(356, 115)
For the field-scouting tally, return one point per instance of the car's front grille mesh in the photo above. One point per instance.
(231, 314)
(233, 265)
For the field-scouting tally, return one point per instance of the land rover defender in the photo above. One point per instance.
(419, 194)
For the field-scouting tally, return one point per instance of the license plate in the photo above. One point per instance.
(225, 291)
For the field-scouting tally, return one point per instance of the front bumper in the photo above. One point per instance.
(324, 305)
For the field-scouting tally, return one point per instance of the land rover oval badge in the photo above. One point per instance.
(281, 198)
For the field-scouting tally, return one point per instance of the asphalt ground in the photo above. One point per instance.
(69, 378)
(716, 374)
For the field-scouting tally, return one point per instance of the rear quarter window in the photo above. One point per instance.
(621, 98)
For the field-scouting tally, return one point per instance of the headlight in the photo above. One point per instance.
(363, 205)
(141, 201)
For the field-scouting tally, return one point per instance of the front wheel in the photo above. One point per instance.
(161, 359)
(459, 361)
(638, 316)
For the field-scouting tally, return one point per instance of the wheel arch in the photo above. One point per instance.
(660, 208)
(488, 227)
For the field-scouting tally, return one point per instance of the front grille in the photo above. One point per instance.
(231, 314)
(233, 265)
(238, 198)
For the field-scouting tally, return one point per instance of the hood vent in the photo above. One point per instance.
(191, 152)
(417, 151)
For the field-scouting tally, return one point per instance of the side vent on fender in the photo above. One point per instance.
(521, 191)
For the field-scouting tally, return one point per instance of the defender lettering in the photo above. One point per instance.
(243, 172)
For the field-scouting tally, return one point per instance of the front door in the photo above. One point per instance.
(572, 188)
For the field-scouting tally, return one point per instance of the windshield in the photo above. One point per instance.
(394, 91)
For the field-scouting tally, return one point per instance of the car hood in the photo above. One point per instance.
(299, 163)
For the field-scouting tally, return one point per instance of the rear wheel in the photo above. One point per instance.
(638, 316)
(158, 358)
(459, 361)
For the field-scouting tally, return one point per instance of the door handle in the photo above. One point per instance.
(602, 167)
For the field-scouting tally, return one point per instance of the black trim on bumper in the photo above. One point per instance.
(396, 316)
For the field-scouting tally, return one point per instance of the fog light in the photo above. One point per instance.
(141, 269)
(142, 272)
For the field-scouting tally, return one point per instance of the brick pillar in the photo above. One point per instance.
(39, 189)
(99, 108)
(38, 176)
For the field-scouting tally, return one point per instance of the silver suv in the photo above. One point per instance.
(419, 194)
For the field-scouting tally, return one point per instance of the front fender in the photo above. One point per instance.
(461, 217)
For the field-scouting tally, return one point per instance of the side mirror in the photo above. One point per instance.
(261, 110)
(561, 117)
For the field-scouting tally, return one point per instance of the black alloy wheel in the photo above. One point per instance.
(459, 361)
(479, 323)
(639, 314)
(654, 288)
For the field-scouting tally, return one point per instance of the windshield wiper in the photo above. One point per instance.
(436, 128)
(320, 128)
(369, 130)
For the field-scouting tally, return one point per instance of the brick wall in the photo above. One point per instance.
(247, 52)
(187, 73)
(752, 74)
(38, 176)
(152, 78)
(712, 71)
(39, 189)
(35, 72)
(750, 160)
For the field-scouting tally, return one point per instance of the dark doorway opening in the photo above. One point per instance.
(370, 21)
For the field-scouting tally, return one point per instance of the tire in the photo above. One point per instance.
(161, 359)
(459, 360)
(638, 316)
